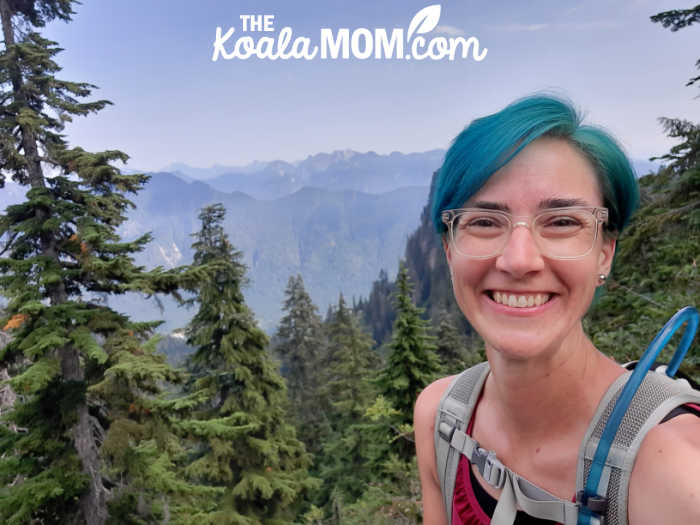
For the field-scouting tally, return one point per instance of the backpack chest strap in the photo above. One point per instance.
(516, 491)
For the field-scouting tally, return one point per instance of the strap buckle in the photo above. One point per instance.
(595, 504)
(490, 468)
(446, 430)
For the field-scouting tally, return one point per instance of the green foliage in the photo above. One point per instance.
(300, 345)
(350, 363)
(238, 438)
(427, 267)
(686, 155)
(678, 19)
(80, 369)
(412, 363)
(656, 269)
(393, 499)
(456, 351)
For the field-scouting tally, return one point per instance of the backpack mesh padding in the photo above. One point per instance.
(654, 390)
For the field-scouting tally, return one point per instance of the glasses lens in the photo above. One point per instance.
(480, 233)
(565, 233)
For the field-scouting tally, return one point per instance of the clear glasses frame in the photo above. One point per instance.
(450, 218)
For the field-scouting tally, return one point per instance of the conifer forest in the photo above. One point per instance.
(310, 425)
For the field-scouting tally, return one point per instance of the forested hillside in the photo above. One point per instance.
(311, 426)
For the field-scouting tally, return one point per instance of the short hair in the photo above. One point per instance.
(490, 142)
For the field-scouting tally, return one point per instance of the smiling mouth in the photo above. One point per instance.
(519, 300)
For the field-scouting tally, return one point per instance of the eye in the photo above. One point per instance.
(561, 224)
(481, 222)
(562, 221)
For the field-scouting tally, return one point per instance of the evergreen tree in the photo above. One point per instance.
(656, 265)
(299, 342)
(348, 388)
(656, 270)
(452, 347)
(243, 444)
(676, 19)
(686, 155)
(378, 312)
(412, 362)
(59, 246)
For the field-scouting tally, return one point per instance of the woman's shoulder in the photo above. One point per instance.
(429, 399)
(665, 481)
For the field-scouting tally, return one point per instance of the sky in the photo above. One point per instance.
(172, 103)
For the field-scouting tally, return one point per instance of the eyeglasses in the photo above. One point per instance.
(559, 233)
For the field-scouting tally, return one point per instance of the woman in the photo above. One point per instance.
(529, 203)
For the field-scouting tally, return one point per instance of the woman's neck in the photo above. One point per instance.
(549, 395)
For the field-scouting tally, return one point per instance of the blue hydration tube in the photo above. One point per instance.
(687, 314)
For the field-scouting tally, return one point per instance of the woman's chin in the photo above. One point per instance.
(521, 347)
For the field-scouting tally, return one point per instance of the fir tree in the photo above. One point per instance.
(59, 246)
(412, 362)
(678, 19)
(656, 263)
(451, 347)
(349, 390)
(299, 342)
(243, 444)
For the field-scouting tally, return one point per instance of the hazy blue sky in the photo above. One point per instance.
(152, 58)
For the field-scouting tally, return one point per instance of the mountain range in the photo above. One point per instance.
(340, 170)
(335, 218)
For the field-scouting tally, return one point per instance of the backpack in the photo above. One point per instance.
(633, 404)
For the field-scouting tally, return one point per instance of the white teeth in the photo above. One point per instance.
(521, 301)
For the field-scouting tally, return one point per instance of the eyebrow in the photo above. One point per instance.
(487, 205)
(545, 204)
(562, 203)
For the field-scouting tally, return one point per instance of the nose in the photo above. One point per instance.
(520, 255)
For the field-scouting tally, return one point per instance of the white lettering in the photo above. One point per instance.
(244, 48)
(266, 47)
(300, 48)
(355, 43)
(454, 42)
(219, 42)
(381, 44)
(328, 45)
(363, 43)
(418, 41)
(437, 48)
(283, 40)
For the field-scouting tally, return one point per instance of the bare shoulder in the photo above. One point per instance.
(428, 400)
(424, 414)
(665, 481)
(424, 427)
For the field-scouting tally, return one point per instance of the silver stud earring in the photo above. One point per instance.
(601, 279)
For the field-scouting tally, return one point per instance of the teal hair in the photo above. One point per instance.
(490, 142)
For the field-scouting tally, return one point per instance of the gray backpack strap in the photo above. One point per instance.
(656, 397)
(453, 414)
(451, 441)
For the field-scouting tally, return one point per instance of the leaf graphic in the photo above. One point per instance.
(424, 20)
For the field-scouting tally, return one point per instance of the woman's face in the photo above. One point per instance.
(544, 170)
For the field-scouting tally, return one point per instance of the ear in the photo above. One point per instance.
(448, 252)
(607, 253)
(448, 255)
